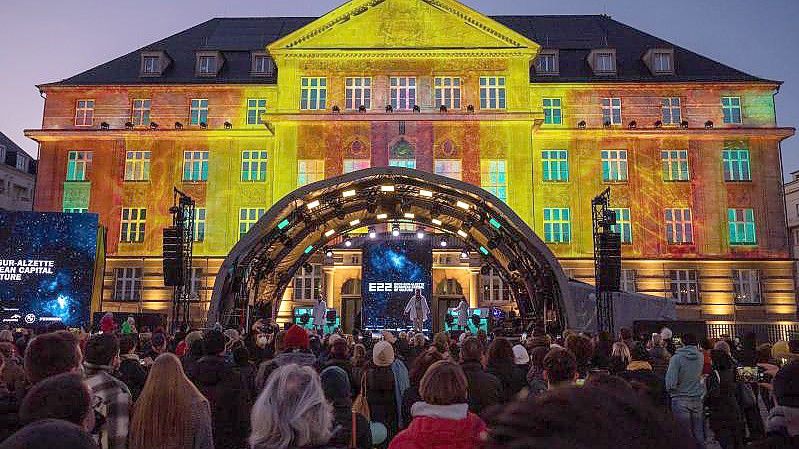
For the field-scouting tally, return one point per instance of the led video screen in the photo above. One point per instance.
(392, 270)
(46, 268)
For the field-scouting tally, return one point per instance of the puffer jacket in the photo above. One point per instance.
(441, 426)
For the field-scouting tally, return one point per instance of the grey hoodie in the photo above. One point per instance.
(684, 376)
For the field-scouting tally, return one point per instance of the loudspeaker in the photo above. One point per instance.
(609, 261)
(173, 257)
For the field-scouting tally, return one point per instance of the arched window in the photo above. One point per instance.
(402, 154)
(352, 287)
(449, 287)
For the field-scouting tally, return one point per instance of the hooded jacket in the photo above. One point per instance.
(684, 376)
(435, 426)
(217, 381)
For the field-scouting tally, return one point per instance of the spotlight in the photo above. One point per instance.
(684, 124)
(329, 254)
(395, 230)
(348, 242)
(105, 126)
(470, 109)
(416, 109)
(361, 109)
(128, 126)
(709, 124)
(178, 125)
(464, 255)
(153, 125)
(658, 124)
(420, 233)
(372, 232)
(443, 242)
(606, 124)
(203, 125)
(336, 109)
(581, 125)
(389, 108)
(633, 124)
(228, 125)
(442, 109)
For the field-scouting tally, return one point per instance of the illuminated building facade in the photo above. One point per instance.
(544, 112)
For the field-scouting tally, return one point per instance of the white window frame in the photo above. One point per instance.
(196, 281)
(734, 106)
(310, 171)
(84, 112)
(737, 164)
(658, 57)
(628, 280)
(493, 93)
(137, 165)
(73, 210)
(207, 65)
(248, 216)
(140, 111)
(447, 92)
(351, 165)
(553, 111)
(555, 165)
(451, 168)
(195, 166)
(262, 65)
(308, 286)
(403, 92)
(198, 111)
(557, 229)
(679, 225)
(254, 165)
(494, 289)
(741, 222)
(128, 283)
(148, 69)
(132, 224)
(79, 165)
(746, 286)
(547, 63)
(255, 107)
(675, 165)
(494, 177)
(357, 92)
(624, 224)
(684, 286)
(313, 93)
(614, 165)
(605, 62)
(671, 111)
(200, 215)
(611, 111)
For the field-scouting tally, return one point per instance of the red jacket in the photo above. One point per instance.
(426, 432)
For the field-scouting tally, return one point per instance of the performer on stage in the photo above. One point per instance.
(463, 315)
(319, 316)
(417, 310)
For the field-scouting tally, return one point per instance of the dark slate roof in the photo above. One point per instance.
(574, 36)
(12, 150)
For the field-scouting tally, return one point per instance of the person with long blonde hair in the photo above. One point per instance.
(170, 413)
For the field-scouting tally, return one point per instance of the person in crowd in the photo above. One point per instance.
(6, 336)
(292, 412)
(684, 385)
(418, 345)
(110, 396)
(485, 390)
(336, 386)
(658, 355)
(107, 323)
(129, 326)
(560, 368)
(521, 358)
(619, 358)
(583, 350)
(359, 362)
(12, 376)
(403, 347)
(500, 363)
(609, 382)
(192, 351)
(536, 384)
(603, 347)
(725, 417)
(441, 343)
(320, 315)
(782, 426)
(296, 349)
(171, 412)
(218, 383)
(442, 419)
(131, 371)
(641, 376)
(381, 394)
(245, 371)
(626, 337)
(584, 417)
(747, 352)
(340, 356)
(418, 370)
(158, 344)
(765, 362)
(63, 396)
(50, 434)
(745, 395)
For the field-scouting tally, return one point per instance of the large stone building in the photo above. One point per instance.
(544, 112)
(17, 176)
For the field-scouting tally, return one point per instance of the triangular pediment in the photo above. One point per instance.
(402, 24)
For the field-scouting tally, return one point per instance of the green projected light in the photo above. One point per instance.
(494, 223)
(309, 249)
(283, 224)
(484, 250)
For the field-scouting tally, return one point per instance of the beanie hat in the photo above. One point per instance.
(383, 353)
(296, 338)
(520, 355)
(389, 337)
(335, 383)
(786, 385)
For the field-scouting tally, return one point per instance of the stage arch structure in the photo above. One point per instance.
(263, 263)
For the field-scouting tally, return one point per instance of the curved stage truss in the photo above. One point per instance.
(263, 263)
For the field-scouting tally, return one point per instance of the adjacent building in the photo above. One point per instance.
(544, 112)
(17, 176)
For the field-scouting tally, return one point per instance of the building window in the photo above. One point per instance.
(313, 93)
(451, 168)
(351, 165)
(253, 165)
(199, 224)
(494, 288)
(308, 283)
(137, 166)
(557, 225)
(493, 177)
(151, 65)
(628, 281)
(402, 154)
(492, 92)
(684, 286)
(670, 111)
(679, 227)
(75, 210)
(127, 284)
(140, 114)
(555, 165)
(731, 108)
(546, 63)
(614, 165)
(358, 92)
(661, 62)
(78, 163)
(22, 162)
(675, 165)
(310, 170)
(447, 92)
(196, 278)
(605, 62)
(553, 115)
(611, 111)
(206, 65)
(84, 113)
(255, 107)
(248, 217)
(736, 165)
(623, 226)
(741, 224)
(262, 65)
(746, 286)
(133, 223)
(199, 111)
(195, 166)
(403, 92)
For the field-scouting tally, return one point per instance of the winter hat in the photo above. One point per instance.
(340, 349)
(333, 338)
(383, 353)
(520, 355)
(296, 338)
(50, 433)
(335, 383)
(193, 337)
(786, 385)
(389, 337)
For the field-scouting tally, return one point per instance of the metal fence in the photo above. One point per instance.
(766, 332)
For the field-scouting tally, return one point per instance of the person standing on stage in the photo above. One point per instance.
(463, 312)
(417, 310)
(319, 315)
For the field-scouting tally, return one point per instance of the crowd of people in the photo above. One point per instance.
(273, 388)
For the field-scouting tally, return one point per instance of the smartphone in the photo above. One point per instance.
(748, 374)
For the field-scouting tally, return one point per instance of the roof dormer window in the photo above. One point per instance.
(660, 61)
(547, 62)
(153, 63)
(603, 61)
(262, 65)
(208, 63)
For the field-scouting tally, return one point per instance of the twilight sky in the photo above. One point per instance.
(48, 40)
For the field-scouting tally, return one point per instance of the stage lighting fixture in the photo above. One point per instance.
(153, 125)
(329, 254)
(382, 216)
(684, 124)
(443, 242)
(348, 242)
(464, 255)
(361, 109)
(386, 188)
(395, 230)
(347, 193)
(105, 126)
(633, 124)
(426, 193)
(372, 232)
(178, 125)
(606, 124)
(330, 232)
(420, 233)
(416, 109)
(436, 222)
(581, 124)
(128, 126)
(709, 124)
(228, 125)
(203, 125)
(658, 124)
(442, 109)
(470, 109)
(409, 215)
(462, 233)
(355, 222)
(336, 109)
(389, 108)
(462, 205)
